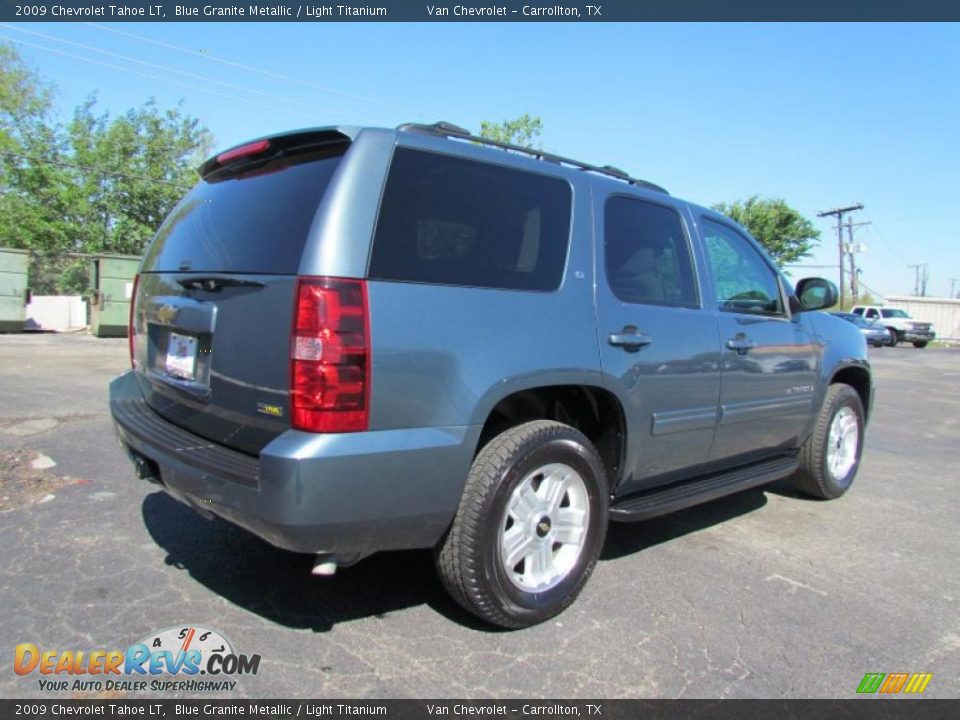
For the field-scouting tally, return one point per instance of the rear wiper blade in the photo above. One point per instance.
(215, 283)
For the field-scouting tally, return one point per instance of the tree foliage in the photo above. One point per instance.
(151, 156)
(784, 232)
(30, 192)
(100, 184)
(24, 100)
(524, 130)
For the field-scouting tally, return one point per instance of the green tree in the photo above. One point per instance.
(784, 232)
(32, 185)
(140, 164)
(524, 130)
(34, 188)
(100, 184)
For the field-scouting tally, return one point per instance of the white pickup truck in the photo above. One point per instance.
(900, 326)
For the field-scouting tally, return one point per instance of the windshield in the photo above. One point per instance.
(893, 313)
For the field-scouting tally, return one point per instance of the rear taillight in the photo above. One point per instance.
(132, 322)
(330, 356)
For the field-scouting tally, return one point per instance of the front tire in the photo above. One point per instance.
(831, 456)
(530, 527)
(892, 337)
(919, 343)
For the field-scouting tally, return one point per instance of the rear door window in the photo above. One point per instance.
(646, 253)
(246, 222)
(451, 221)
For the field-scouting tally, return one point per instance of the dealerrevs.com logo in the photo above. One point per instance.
(188, 658)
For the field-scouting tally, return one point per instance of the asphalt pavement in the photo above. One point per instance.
(763, 594)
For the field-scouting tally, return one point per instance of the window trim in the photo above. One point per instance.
(697, 303)
(571, 219)
(751, 243)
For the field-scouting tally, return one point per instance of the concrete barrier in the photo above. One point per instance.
(56, 312)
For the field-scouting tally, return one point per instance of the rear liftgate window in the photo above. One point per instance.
(253, 219)
(450, 221)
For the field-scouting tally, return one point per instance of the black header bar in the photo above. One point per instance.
(326, 11)
(860, 709)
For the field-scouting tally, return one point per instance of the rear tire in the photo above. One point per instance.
(530, 527)
(831, 456)
(892, 337)
(919, 343)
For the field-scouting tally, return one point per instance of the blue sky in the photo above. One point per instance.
(822, 115)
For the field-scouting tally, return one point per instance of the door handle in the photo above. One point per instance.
(630, 338)
(741, 345)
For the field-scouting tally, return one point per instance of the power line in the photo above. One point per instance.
(145, 75)
(870, 290)
(885, 241)
(259, 71)
(885, 254)
(90, 168)
(184, 73)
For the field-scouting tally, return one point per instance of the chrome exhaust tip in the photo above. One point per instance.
(324, 565)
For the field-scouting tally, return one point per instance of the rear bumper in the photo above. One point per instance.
(348, 494)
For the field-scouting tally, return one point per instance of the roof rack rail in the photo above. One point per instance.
(450, 130)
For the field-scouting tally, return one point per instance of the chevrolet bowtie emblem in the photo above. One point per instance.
(167, 314)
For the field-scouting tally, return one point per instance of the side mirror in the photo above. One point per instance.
(816, 294)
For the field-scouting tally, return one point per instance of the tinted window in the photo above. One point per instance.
(743, 280)
(894, 314)
(451, 221)
(646, 253)
(254, 222)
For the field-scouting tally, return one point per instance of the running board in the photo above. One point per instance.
(660, 501)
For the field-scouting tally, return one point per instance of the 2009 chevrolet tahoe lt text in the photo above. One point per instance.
(355, 340)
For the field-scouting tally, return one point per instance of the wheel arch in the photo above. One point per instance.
(591, 409)
(858, 377)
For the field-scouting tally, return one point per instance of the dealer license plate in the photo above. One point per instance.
(181, 356)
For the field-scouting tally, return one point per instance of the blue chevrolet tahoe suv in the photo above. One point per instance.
(354, 340)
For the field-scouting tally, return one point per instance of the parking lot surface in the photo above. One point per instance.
(763, 594)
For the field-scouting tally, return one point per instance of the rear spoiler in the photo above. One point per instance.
(271, 148)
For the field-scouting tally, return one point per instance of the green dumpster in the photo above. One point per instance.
(112, 279)
(14, 294)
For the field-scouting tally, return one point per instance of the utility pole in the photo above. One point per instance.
(923, 281)
(953, 283)
(839, 213)
(916, 280)
(852, 251)
(854, 284)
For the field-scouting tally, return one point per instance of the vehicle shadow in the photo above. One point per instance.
(628, 538)
(277, 585)
(786, 488)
